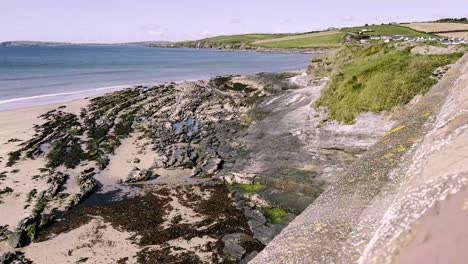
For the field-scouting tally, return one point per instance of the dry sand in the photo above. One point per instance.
(22, 178)
(97, 241)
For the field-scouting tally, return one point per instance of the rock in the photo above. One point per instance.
(433, 50)
(56, 180)
(212, 165)
(259, 201)
(440, 72)
(136, 160)
(238, 178)
(18, 239)
(255, 218)
(87, 186)
(232, 245)
(266, 233)
(181, 157)
(137, 175)
(249, 257)
(14, 258)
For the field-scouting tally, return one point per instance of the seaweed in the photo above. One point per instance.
(13, 157)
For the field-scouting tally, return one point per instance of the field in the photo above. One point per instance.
(243, 39)
(388, 30)
(333, 39)
(463, 34)
(295, 37)
(377, 78)
(313, 40)
(438, 27)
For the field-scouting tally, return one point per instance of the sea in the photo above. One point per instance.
(38, 75)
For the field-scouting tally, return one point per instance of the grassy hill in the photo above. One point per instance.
(314, 40)
(320, 40)
(242, 39)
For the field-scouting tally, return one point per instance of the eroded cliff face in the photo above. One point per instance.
(402, 201)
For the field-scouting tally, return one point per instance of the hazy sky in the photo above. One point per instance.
(136, 20)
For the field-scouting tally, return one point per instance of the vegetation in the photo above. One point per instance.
(320, 41)
(376, 78)
(242, 39)
(274, 215)
(388, 30)
(13, 157)
(249, 188)
(65, 152)
(454, 20)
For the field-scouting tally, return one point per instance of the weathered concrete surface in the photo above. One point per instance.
(387, 206)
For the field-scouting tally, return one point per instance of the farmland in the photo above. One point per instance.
(387, 30)
(438, 27)
(313, 40)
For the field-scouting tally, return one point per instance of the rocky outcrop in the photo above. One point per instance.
(384, 207)
(137, 175)
(88, 185)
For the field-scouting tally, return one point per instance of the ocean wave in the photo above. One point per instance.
(66, 75)
(96, 90)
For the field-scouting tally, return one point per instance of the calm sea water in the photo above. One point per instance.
(31, 75)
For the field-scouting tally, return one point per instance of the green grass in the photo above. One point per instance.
(376, 78)
(274, 215)
(249, 188)
(326, 41)
(389, 30)
(242, 39)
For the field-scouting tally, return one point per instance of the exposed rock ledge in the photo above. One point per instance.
(403, 201)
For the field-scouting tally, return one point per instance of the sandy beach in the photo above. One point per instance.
(135, 172)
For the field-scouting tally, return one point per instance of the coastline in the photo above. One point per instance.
(249, 49)
(58, 98)
(19, 201)
(75, 88)
(178, 166)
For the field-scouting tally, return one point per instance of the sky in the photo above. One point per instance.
(110, 21)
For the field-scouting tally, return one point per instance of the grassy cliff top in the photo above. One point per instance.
(376, 78)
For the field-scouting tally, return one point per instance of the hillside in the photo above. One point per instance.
(322, 40)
